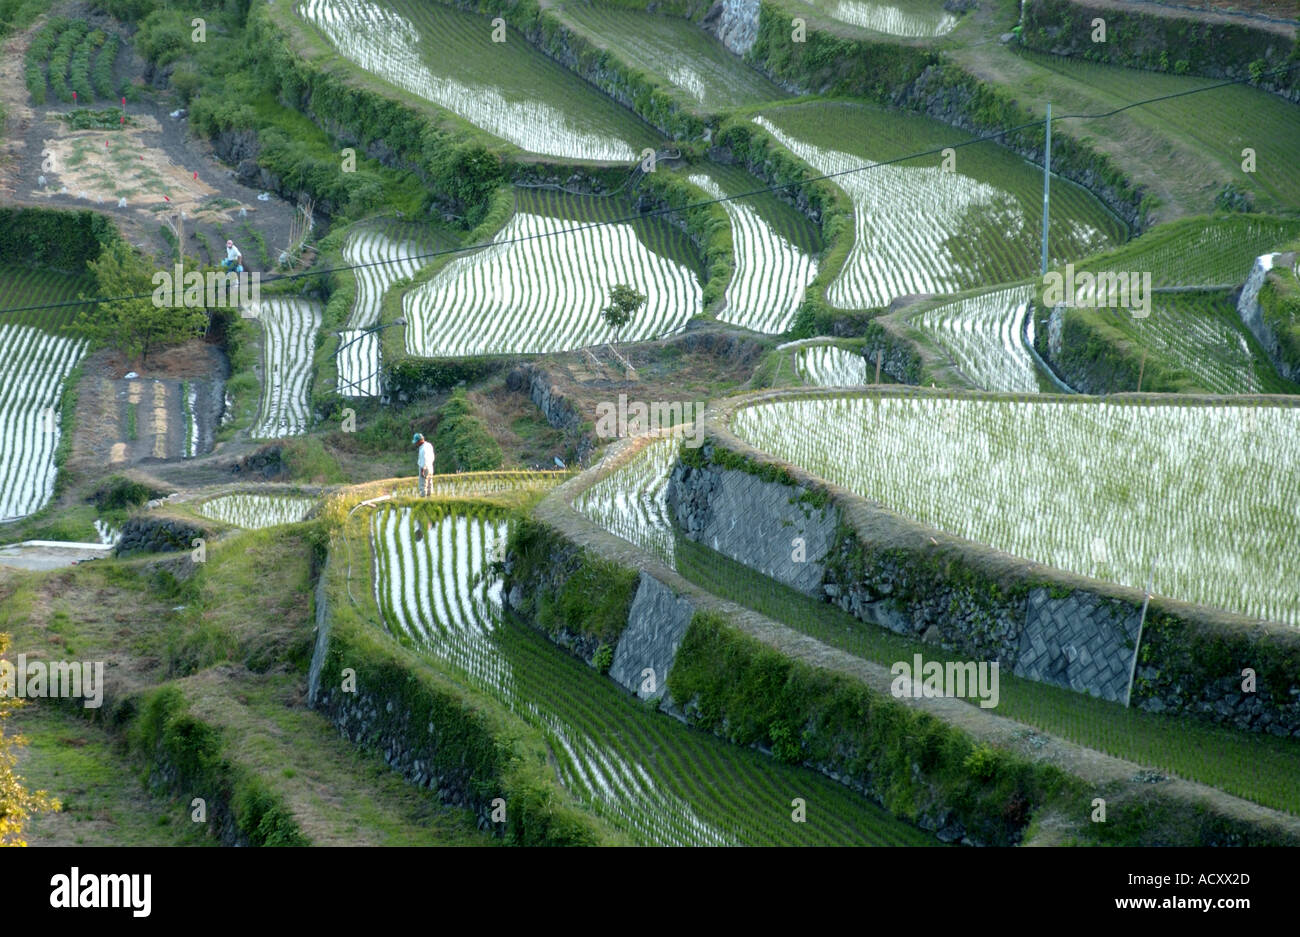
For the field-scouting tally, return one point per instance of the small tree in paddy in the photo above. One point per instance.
(624, 301)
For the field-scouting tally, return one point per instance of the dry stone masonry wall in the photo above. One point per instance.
(1039, 624)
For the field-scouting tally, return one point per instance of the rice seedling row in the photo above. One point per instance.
(1257, 768)
(647, 775)
(692, 61)
(36, 357)
(919, 228)
(383, 259)
(441, 54)
(545, 293)
(108, 534)
(630, 502)
(289, 331)
(1208, 490)
(1202, 251)
(905, 18)
(254, 511)
(771, 273)
(34, 365)
(1202, 334)
(830, 366)
(982, 336)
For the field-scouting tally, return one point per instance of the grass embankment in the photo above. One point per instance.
(206, 671)
(1256, 767)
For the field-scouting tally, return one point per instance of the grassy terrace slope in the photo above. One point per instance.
(629, 502)
(508, 88)
(922, 229)
(656, 780)
(1203, 490)
(546, 293)
(704, 74)
(229, 647)
(1182, 151)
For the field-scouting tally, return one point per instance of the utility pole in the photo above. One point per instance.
(1047, 182)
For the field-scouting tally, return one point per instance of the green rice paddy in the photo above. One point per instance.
(699, 69)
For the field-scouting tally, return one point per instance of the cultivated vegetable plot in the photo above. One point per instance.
(289, 333)
(253, 511)
(1210, 490)
(830, 366)
(630, 502)
(545, 292)
(920, 228)
(691, 59)
(384, 259)
(909, 19)
(771, 273)
(645, 773)
(982, 336)
(62, 52)
(445, 55)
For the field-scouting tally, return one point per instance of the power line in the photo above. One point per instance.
(660, 212)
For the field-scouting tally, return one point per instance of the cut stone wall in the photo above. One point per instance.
(656, 624)
(1038, 623)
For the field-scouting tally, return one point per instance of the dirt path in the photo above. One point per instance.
(154, 163)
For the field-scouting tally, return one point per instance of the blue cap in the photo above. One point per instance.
(417, 437)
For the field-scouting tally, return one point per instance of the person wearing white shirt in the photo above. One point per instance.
(424, 461)
(234, 259)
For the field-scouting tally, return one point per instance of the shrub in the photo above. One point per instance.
(462, 440)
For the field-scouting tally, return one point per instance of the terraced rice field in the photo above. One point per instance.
(772, 271)
(906, 18)
(920, 229)
(36, 357)
(1205, 493)
(982, 336)
(651, 777)
(1201, 251)
(108, 534)
(545, 292)
(1215, 126)
(697, 65)
(254, 511)
(831, 366)
(383, 255)
(1202, 335)
(442, 54)
(630, 502)
(289, 338)
(1259, 769)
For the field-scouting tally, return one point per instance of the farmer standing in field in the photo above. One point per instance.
(425, 462)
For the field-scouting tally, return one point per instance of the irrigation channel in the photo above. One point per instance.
(650, 776)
